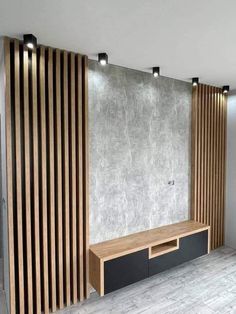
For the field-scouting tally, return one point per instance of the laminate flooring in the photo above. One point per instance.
(206, 285)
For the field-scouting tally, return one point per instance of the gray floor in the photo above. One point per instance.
(206, 285)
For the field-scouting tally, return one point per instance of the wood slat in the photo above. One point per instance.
(35, 175)
(73, 180)
(208, 159)
(52, 255)
(47, 177)
(85, 175)
(59, 181)
(80, 178)
(44, 179)
(9, 171)
(66, 191)
(19, 210)
(27, 181)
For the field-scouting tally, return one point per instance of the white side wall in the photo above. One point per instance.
(230, 213)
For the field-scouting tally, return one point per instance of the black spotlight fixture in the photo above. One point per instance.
(103, 58)
(156, 71)
(195, 81)
(30, 41)
(225, 89)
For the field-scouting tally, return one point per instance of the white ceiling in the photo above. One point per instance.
(186, 38)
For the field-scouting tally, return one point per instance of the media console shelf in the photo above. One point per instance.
(117, 263)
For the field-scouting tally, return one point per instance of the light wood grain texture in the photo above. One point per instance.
(66, 191)
(138, 241)
(96, 272)
(9, 171)
(59, 226)
(85, 175)
(36, 233)
(80, 178)
(73, 179)
(52, 254)
(47, 169)
(208, 159)
(27, 181)
(18, 162)
(44, 180)
(163, 248)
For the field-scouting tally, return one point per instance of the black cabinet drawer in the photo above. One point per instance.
(125, 270)
(190, 247)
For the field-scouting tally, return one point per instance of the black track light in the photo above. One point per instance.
(195, 81)
(103, 58)
(225, 89)
(156, 71)
(30, 41)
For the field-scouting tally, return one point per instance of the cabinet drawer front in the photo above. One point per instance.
(125, 270)
(190, 247)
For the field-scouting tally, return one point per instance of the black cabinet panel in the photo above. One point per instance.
(190, 248)
(125, 270)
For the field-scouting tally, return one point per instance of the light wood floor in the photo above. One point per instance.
(206, 285)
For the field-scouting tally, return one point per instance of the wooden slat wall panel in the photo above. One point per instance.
(35, 178)
(9, 171)
(47, 184)
(208, 159)
(51, 170)
(79, 181)
(27, 181)
(18, 173)
(59, 243)
(44, 180)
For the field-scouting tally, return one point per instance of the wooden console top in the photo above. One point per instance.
(135, 242)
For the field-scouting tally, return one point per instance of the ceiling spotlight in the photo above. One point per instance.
(156, 71)
(30, 41)
(225, 89)
(103, 58)
(195, 81)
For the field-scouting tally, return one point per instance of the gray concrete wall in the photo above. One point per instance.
(230, 211)
(139, 132)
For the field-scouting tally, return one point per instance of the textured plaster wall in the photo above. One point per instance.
(139, 133)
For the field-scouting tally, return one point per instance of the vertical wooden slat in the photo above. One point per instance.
(85, 176)
(80, 179)
(27, 181)
(9, 171)
(35, 175)
(59, 182)
(18, 146)
(73, 180)
(66, 180)
(219, 170)
(202, 155)
(205, 178)
(52, 181)
(44, 180)
(199, 153)
(194, 154)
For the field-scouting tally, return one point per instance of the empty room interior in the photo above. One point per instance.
(117, 157)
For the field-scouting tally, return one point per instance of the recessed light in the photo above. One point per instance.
(195, 81)
(30, 41)
(225, 89)
(156, 71)
(103, 58)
